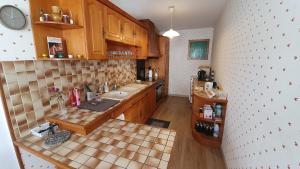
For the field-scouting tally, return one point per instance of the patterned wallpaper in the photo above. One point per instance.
(17, 45)
(257, 60)
(26, 85)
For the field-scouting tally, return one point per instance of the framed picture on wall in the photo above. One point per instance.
(198, 49)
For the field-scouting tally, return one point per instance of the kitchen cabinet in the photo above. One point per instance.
(128, 35)
(151, 101)
(138, 35)
(141, 40)
(114, 26)
(153, 50)
(95, 25)
(163, 62)
(144, 44)
(133, 113)
(139, 108)
(149, 105)
(119, 28)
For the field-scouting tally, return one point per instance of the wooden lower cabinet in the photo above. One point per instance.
(143, 109)
(150, 103)
(133, 113)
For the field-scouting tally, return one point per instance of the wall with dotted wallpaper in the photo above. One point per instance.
(15, 45)
(257, 60)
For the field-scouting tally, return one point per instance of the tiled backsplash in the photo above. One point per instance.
(26, 84)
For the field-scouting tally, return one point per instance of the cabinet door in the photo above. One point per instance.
(144, 44)
(133, 113)
(152, 99)
(128, 31)
(95, 30)
(150, 103)
(114, 26)
(138, 35)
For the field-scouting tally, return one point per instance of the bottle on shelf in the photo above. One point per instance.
(216, 130)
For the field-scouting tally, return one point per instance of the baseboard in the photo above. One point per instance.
(178, 95)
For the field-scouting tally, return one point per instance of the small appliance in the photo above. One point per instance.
(140, 70)
(201, 75)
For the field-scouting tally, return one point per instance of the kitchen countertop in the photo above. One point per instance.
(83, 120)
(198, 90)
(115, 144)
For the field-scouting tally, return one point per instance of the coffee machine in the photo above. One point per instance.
(202, 75)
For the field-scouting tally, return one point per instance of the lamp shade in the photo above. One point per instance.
(171, 34)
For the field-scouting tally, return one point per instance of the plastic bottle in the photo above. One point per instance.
(216, 130)
(72, 98)
(77, 96)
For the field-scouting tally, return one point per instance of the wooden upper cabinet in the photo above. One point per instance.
(128, 31)
(144, 44)
(153, 49)
(114, 26)
(138, 35)
(95, 25)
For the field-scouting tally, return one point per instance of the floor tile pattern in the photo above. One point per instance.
(116, 144)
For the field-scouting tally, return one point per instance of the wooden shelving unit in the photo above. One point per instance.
(73, 35)
(199, 102)
(58, 25)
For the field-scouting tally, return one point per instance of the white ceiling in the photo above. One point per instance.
(189, 14)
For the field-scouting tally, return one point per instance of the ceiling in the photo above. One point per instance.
(189, 14)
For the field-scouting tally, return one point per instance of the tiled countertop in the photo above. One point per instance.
(82, 118)
(115, 144)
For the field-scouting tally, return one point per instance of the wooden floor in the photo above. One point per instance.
(187, 153)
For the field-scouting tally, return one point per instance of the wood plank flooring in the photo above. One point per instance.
(187, 153)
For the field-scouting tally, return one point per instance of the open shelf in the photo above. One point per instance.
(58, 25)
(205, 139)
(199, 102)
(207, 120)
(72, 35)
